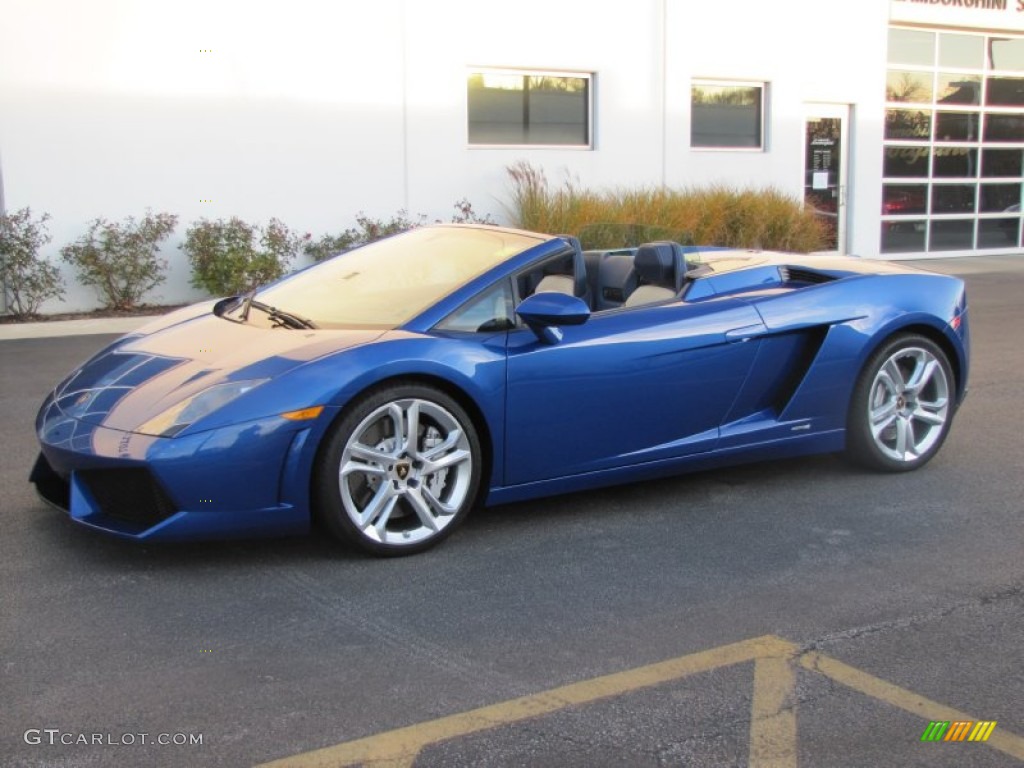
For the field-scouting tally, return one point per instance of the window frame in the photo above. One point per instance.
(761, 85)
(589, 76)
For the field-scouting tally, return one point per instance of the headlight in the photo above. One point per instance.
(191, 409)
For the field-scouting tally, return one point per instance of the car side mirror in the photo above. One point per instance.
(544, 312)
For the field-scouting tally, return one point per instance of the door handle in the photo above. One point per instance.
(746, 333)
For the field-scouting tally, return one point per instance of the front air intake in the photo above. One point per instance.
(130, 495)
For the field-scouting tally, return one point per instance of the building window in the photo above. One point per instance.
(513, 108)
(953, 160)
(727, 115)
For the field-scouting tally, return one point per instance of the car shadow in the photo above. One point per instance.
(612, 501)
(487, 526)
(73, 541)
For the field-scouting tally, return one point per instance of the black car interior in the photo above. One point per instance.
(610, 279)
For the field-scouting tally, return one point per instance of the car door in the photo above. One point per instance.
(626, 387)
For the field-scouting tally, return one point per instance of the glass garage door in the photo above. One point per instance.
(953, 164)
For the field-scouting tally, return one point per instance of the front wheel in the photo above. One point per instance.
(399, 470)
(902, 405)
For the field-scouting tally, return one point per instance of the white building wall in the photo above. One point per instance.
(314, 111)
(806, 51)
(110, 107)
(620, 43)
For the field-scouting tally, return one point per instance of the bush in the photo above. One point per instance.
(464, 214)
(717, 215)
(232, 257)
(27, 279)
(368, 230)
(120, 260)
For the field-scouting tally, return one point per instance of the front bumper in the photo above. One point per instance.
(246, 480)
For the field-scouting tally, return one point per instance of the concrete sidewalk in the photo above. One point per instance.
(73, 327)
(965, 265)
(970, 265)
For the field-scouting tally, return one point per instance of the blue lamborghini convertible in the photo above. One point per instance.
(390, 389)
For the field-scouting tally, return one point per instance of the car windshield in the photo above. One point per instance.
(389, 282)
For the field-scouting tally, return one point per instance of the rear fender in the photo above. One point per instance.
(861, 313)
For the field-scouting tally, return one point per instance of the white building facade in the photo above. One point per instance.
(900, 121)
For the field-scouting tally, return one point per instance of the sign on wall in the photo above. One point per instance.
(975, 14)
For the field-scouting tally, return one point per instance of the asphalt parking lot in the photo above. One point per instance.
(791, 613)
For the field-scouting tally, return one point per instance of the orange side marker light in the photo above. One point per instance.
(303, 414)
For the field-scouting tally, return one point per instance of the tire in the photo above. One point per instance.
(902, 405)
(386, 494)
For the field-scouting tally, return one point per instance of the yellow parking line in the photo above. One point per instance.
(773, 715)
(399, 748)
(773, 726)
(1004, 741)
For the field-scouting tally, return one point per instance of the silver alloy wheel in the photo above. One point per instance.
(908, 404)
(405, 472)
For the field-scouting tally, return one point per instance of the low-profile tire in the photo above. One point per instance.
(902, 406)
(398, 471)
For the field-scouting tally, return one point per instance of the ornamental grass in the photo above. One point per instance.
(715, 215)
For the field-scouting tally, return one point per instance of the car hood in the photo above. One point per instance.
(167, 361)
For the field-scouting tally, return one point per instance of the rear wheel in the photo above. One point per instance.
(902, 405)
(399, 471)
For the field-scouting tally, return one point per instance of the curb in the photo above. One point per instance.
(73, 327)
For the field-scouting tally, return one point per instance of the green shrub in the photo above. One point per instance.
(368, 230)
(232, 257)
(716, 215)
(27, 279)
(120, 260)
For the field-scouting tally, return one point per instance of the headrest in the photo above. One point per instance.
(660, 264)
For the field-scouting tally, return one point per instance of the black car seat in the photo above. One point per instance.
(660, 270)
(567, 274)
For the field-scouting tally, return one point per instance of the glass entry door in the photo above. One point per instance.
(825, 154)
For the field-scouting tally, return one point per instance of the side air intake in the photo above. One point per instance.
(799, 275)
